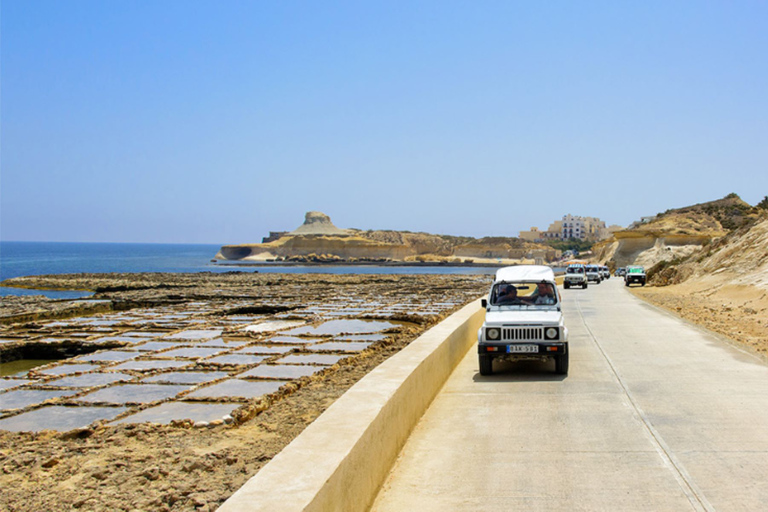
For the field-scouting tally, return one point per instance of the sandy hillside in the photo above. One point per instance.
(723, 286)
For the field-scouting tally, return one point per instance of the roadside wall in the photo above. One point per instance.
(340, 461)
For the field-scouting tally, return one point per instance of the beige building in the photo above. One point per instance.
(581, 228)
(555, 231)
(534, 235)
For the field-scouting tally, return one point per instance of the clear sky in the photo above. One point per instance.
(216, 122)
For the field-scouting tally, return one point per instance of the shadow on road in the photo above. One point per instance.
(521, 371)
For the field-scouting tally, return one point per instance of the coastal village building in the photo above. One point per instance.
(580, 228)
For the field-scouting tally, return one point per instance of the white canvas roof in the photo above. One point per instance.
(525, 273)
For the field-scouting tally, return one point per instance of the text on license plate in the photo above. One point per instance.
(522, 349)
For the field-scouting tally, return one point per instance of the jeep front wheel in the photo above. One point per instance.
(561, 364)
(486, 365)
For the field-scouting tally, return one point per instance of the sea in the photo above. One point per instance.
(42, 258)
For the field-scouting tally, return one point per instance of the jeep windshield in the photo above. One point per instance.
(574, 270)
(524, 294)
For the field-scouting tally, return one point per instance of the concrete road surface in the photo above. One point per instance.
(655, 415)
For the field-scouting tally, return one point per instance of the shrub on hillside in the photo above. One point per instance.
(665, 273)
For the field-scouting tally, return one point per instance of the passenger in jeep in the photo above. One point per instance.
(545, 294)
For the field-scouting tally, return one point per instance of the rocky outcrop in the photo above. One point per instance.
(646, 248)
(319, 240)
(343, 247)
(318, 223)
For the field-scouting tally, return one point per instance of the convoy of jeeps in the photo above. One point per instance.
(523, 314)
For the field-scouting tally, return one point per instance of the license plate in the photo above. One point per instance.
(523, 349)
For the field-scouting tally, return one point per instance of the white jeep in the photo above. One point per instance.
(594, 274)
(523, 319)
(575, 275)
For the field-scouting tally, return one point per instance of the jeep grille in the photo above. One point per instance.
(522, 333)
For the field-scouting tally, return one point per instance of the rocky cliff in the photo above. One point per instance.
(675, 234)
(739, 258)
(319, 240)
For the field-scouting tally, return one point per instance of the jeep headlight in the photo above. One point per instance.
(551, 333)
(493, 333)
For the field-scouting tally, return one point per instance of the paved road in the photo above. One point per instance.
(655, 414)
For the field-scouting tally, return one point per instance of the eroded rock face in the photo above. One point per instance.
(647, 248)
(674, 234)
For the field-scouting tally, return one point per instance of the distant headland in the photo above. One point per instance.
(318, 240)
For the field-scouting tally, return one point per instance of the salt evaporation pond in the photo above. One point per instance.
(237, 388)
(186, 377)
(336, 327)
(282, 371)
(168, 412)
(58, 417)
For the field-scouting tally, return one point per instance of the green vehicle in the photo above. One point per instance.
(634, 274)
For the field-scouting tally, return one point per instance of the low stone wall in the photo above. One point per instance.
(340, 461)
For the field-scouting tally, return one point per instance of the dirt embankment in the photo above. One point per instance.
(722, 286)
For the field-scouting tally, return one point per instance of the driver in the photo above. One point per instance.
(507, 295)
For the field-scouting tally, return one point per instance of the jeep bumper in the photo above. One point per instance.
(523, 348)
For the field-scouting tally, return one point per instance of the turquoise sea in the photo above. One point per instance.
(39, 258)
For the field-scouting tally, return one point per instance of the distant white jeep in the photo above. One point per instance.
(594, 274)
(523, 319)
(575, 275)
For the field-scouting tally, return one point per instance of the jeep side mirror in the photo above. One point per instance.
(484, 303)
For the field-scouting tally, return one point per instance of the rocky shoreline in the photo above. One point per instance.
(330, 261)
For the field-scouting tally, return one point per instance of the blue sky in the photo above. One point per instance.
(216, 122)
